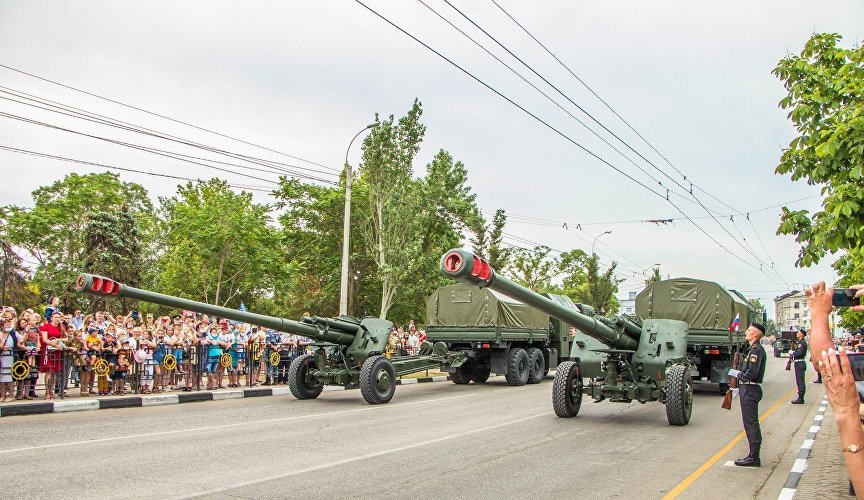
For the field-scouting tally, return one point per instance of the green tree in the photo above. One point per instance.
(600, 289)
(113, 247)
(534, 268)
(572, 267)
(14, 276)
(825, 85)
(53, 231)
(655, 276)
(850, 268)
(488, 240)
(219, 246)
(386, 171)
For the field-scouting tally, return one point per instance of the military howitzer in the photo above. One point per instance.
(624, 361)
(349, 352)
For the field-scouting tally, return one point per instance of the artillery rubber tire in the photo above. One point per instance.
(297, 378)
(462, 375)
(679, 395)
(377, 380)
(567, 399)
(480, 375)
(517, 367)
(536, 365)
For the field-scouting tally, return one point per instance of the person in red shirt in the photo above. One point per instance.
(53, 336)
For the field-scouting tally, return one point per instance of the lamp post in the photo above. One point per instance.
(346, 228)
(595, 240)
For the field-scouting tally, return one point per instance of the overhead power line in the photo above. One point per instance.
(563, 135)
(78, 113)
(123, 169)
(181, 122)
(626, 144)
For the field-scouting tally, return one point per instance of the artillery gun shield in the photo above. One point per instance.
(302, 384)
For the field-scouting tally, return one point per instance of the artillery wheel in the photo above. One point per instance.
(536, 365)
(679, 395)
(480, 375)
(298, 378)
(463, 373)
(377, 380)
(567, 389)
(517, 367)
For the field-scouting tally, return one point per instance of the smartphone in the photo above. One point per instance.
(856, 359)
(134, 315)
(845, 297)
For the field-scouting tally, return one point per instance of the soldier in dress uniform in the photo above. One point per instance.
(750, 390)
(800, 363)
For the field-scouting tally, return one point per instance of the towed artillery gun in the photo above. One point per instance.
(622, 360)
(348, 353)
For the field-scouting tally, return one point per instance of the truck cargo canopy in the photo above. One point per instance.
(472, 306)
(703, 305)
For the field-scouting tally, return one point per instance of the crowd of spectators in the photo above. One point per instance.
(102, 354)
(405, 343)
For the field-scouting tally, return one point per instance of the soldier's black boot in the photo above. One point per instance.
(751, 460)
(799, 401)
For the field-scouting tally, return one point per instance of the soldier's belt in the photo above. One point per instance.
(750, 383)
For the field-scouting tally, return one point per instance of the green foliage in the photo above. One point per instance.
(53, 231)
(825, 86)
(655, 276)
(219, 247)
(534, 268)
(600, 289)
(850, 267)
(113, 247)
(14, 277)
(488, 240)
(386, 170)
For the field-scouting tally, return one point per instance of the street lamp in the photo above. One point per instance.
(346, 228)
(595, 240)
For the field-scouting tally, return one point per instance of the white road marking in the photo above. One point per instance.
(245, 423)
(363, 457)
(800, 465)
(818, 418)
(786, 494)
(813, 428)
(808, 444)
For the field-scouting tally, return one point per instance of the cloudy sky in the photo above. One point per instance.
(301, 78)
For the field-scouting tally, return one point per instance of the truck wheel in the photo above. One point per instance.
(536, 365)
(462, 375)
(377, 380)
(299, 378)
(567, 389)
(517, 367)
(480, 375)
(679, 395)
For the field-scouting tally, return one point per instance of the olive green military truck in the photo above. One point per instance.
(497, 334)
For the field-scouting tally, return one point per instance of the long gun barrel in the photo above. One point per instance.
(336, 331)
(466, 267)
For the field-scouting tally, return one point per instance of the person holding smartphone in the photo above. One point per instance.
(838, 379)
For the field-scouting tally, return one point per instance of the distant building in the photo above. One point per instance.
(791, 311)
(628, 305)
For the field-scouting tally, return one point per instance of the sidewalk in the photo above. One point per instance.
(75, 402)
(826, 475)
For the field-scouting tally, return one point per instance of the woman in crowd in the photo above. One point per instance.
(188, 345)
(159, 352)
(8, 344)
(145, 353)
(214, 351)
(52, 336)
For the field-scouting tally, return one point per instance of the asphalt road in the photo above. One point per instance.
(435, 440)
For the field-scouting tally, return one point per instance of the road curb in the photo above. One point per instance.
(800, 464)
(10, 410)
